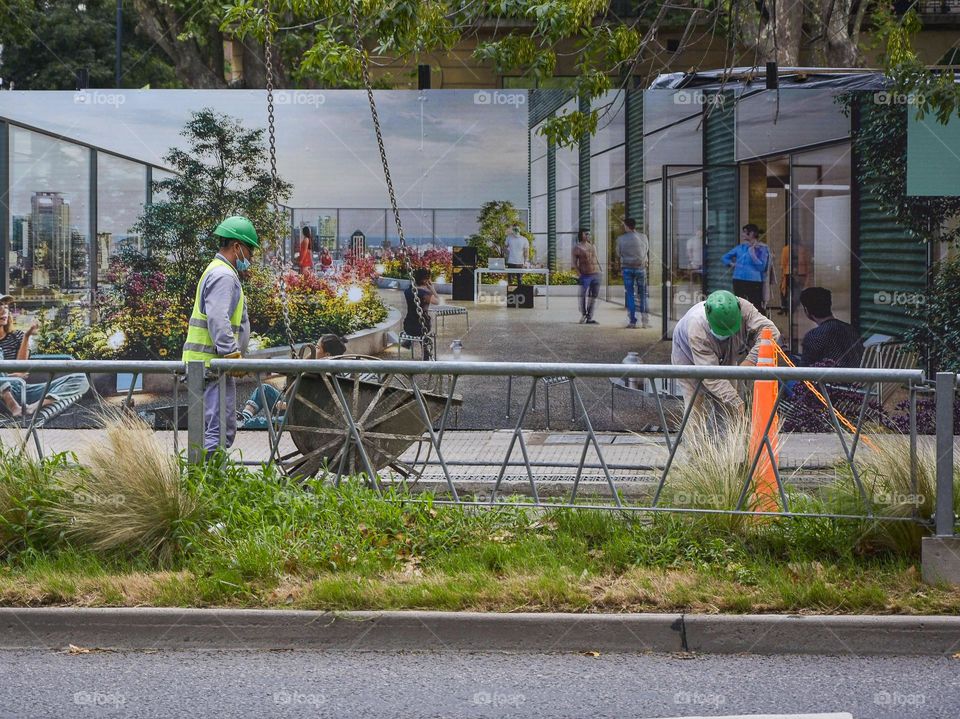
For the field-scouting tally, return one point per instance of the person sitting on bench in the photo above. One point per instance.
(413, 324)
(250, 416)
(15, 345)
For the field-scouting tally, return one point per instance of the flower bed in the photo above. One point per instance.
(400, 263)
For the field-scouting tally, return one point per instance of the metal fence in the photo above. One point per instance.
(392, 423)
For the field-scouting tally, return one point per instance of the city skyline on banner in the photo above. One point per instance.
(446, 148)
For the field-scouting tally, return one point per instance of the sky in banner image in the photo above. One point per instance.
(446, 148)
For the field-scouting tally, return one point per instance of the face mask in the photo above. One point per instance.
(242, 264)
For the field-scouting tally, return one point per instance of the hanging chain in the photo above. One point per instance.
(272, 136)
(364, 66)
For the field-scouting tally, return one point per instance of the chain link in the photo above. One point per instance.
(364, 66)
(275, 234)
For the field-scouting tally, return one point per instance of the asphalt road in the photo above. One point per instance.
(42, 683)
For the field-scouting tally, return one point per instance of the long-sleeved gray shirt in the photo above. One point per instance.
(633, 248)
(219, 294)
(695, 344)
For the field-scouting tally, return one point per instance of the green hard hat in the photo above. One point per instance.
(723, 313)
(238, 228)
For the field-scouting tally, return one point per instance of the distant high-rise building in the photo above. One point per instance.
(50, 243)
(20, 241)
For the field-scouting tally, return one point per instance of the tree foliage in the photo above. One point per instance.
(221, 173)
(46, 43)
(494, 223)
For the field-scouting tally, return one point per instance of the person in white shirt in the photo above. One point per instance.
(518, 251)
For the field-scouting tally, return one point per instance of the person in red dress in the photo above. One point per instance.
(306, 251)
(326, 260)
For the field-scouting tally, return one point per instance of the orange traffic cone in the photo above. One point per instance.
(766, 493)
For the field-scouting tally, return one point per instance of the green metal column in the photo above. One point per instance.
(552, 205)
(634, 156)
(889, 263)
(584, 187)
(720, 191)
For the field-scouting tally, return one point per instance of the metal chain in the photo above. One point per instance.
(271, 134)
(364, 66)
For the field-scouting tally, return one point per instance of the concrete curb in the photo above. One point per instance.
(265, 629)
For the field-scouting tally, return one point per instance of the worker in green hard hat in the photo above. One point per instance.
(716, 333)
(219, 326)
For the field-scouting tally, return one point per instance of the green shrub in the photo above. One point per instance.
(28, 490)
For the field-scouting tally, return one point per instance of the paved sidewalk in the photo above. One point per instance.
(482, 451)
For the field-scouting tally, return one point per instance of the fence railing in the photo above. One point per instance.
(394, 423)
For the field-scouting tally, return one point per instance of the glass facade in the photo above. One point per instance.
(538, 193)
(770, 121)
(568, 199)
(121, 195)
(49, 249)
(607, 187)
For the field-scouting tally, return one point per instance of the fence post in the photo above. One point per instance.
(945, 396)
(195, 378)
(940, 554)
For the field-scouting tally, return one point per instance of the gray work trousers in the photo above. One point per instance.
(211, 414)
(708, 412)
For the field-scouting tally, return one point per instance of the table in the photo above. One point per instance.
(509, 271)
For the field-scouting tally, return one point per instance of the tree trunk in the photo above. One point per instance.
(192, 65)
(781, 33)
(837, 43)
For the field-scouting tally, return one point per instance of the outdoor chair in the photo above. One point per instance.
(547, 383)
(415, 340)
(44, 414)
(441, 312)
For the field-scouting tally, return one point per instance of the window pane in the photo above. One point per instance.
(568, 166)
(50, 214)
(453, 227)
(565, 244)
(820, 231)
(801, 117)
(121, 194)
(417, 227)
(158, 176)
(538, 143)
(568, 210)
(607, 170)
(323, 227)
(611, 126)
(665, 107)
(653, 216)
(677, 145)
(538, 206)
(372, 223)
(538, 176)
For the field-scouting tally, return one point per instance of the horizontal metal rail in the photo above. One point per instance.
(581, 370)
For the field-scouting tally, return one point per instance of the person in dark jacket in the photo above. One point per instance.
(417, 323)
(831, 340)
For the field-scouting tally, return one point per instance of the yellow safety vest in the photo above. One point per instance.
(199, 344)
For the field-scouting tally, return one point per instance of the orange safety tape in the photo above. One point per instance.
(843, 420)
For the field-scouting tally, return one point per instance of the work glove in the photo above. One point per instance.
(234, 372)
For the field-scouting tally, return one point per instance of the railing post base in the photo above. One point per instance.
(940, 560)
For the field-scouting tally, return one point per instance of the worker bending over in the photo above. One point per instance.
(715, 333)
(219, 326)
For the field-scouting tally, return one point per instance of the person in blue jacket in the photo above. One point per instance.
(750, 261)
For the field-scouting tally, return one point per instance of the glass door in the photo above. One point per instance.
(683, 249)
